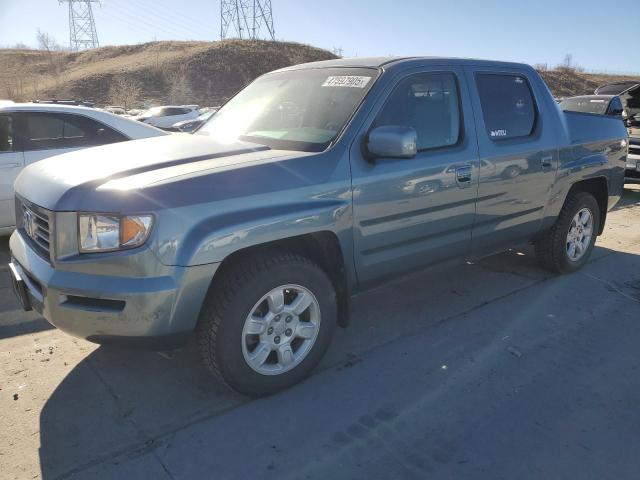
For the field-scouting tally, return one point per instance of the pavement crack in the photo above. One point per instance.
(612, 287)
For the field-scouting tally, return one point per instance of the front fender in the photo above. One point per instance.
(215, 238)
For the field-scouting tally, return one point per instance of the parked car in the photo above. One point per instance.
(69, 102)
(629, 93)
(256, 231)
(166, 117)
(32, 132)
(189, 126)
(115, 110)
(597, 104)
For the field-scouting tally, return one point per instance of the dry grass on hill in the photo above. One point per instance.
(165, 72)
(204, 73)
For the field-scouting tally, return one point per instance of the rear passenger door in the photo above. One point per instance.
(412, 212)
(48, 134)
(518, 156)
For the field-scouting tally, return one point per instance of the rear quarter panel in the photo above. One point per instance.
(591, 146)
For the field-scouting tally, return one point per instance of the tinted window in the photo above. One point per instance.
(429, 104)
(585, 105)
(53, 131)
(6, 134)
(615, 107)
(507, 104)
(178, 111)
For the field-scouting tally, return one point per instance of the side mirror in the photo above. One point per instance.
(393, 141)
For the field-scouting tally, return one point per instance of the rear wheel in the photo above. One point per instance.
(567, 245)
(268, 323)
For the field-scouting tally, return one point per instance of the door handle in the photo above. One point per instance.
(546, 162)
(463, 175)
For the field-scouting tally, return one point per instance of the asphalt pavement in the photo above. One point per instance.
(489, 370)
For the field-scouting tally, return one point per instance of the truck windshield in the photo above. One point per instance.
(296, 110)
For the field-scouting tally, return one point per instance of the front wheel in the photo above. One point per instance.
(567, 245)
(267, 322)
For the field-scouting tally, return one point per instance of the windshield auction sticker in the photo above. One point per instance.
(350, 81)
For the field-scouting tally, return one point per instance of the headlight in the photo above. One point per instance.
(104, 233)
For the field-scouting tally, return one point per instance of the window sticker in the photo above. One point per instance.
(519, 80)
(349, 81)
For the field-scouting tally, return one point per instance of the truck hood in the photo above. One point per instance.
(61, 182)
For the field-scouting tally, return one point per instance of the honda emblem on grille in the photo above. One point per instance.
(29, 221)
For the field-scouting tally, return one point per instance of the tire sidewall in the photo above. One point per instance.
(583, 200)
(233, 366)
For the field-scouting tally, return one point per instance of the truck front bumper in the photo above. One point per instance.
(155, 312)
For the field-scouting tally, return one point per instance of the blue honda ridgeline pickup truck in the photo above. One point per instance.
(311, 184)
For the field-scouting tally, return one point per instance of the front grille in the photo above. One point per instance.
(35, 223)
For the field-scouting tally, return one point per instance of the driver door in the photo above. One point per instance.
(413, 212)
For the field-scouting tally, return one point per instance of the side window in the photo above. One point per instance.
(55, 131)
(429, 103)
(6, 134)
(81, 131)
(44, 131)
(177, 111)
(615, 107)
(507, 104)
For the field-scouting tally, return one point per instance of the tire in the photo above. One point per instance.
(224, 331)
(552, 249)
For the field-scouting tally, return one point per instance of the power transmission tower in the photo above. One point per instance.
(247, 17)
(82, 27)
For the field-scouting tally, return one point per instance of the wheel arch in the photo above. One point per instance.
(322, 247)
(599, 188)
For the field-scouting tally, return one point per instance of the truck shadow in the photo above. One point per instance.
(116, 402)
(630, 197)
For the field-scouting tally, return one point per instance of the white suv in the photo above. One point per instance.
(167, 116)
(32, 132)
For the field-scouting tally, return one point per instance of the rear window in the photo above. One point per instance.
(170, 111)
(585, 105)
(508, 107)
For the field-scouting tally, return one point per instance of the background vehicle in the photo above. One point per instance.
(32, 132)
(306, 187)
(189, 126)
(166, 117)
(629, 93)
(610, 105)
(115, 110)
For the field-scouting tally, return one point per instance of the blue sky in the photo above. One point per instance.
(599, 35)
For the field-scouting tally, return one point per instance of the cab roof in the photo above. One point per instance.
(386, 62)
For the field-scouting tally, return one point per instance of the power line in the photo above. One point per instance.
(82, 27)
(246, 18)
(184, 29)
(137, 19)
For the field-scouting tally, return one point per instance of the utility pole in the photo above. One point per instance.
(247, 19)
(82, 27)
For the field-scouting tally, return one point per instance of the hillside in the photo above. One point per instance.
(566, 81)
(204, 73)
